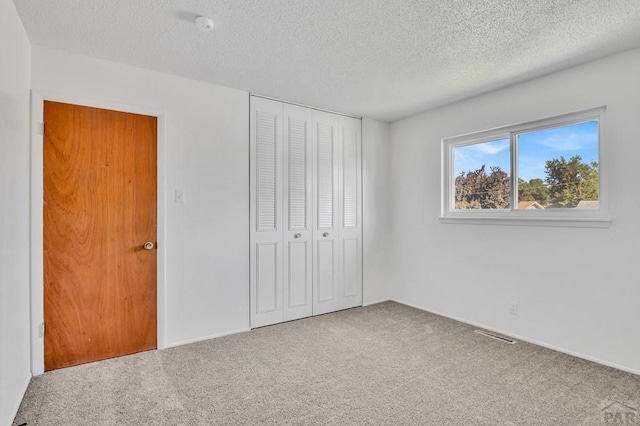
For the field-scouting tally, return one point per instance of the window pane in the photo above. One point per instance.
(482, 175)
(558, 167)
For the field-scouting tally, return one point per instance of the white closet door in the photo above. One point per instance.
(305, 212)
(350, 212)
(266, 237)
(297, 212)
(326, 244)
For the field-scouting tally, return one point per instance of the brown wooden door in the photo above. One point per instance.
(99, 210)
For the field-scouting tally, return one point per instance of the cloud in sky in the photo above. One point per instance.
(577, 137)
(489, 148)
(472, 157)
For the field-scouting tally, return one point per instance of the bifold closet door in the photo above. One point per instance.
(350, 208)
(281, 186)
(305, 212)
(297, 214)
(326, 242)
(266, 237)
(337, 231)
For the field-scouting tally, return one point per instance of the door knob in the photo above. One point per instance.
(325, 234)
(298, 235)
(148, 245)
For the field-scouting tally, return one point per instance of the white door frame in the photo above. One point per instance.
(36, 220)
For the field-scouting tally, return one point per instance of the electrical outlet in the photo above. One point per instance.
(513, 308)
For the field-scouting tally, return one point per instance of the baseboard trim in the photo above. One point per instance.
(375, 302)
(14, 411)
(209, 337)
(524, 339)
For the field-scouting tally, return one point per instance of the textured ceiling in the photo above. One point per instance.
(376, 58)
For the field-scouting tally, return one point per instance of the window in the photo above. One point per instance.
(550, 171)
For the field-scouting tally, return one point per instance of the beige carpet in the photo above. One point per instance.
(386, 364)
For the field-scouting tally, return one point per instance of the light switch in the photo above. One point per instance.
(179, 197)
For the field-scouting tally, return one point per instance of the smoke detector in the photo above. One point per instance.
(204, 24)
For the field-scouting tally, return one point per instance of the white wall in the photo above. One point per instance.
(577, 288)
(14, 211)
(206, 154)
(376, 201)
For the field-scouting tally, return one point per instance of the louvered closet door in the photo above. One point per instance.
(350, 216)
(326, 242)
(297, 217)
(305, 212)
(266, 237)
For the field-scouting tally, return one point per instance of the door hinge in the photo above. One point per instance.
(41, 129)
(41, 330)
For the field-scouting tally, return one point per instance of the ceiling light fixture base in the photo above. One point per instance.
(204, 24)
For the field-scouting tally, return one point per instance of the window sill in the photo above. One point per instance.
(581, 222)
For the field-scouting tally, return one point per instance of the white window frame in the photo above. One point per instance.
(598, 217)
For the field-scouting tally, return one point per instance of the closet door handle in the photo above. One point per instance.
(298, 235)
(325, 234)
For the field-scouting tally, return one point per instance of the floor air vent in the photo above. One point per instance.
(497, 337)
